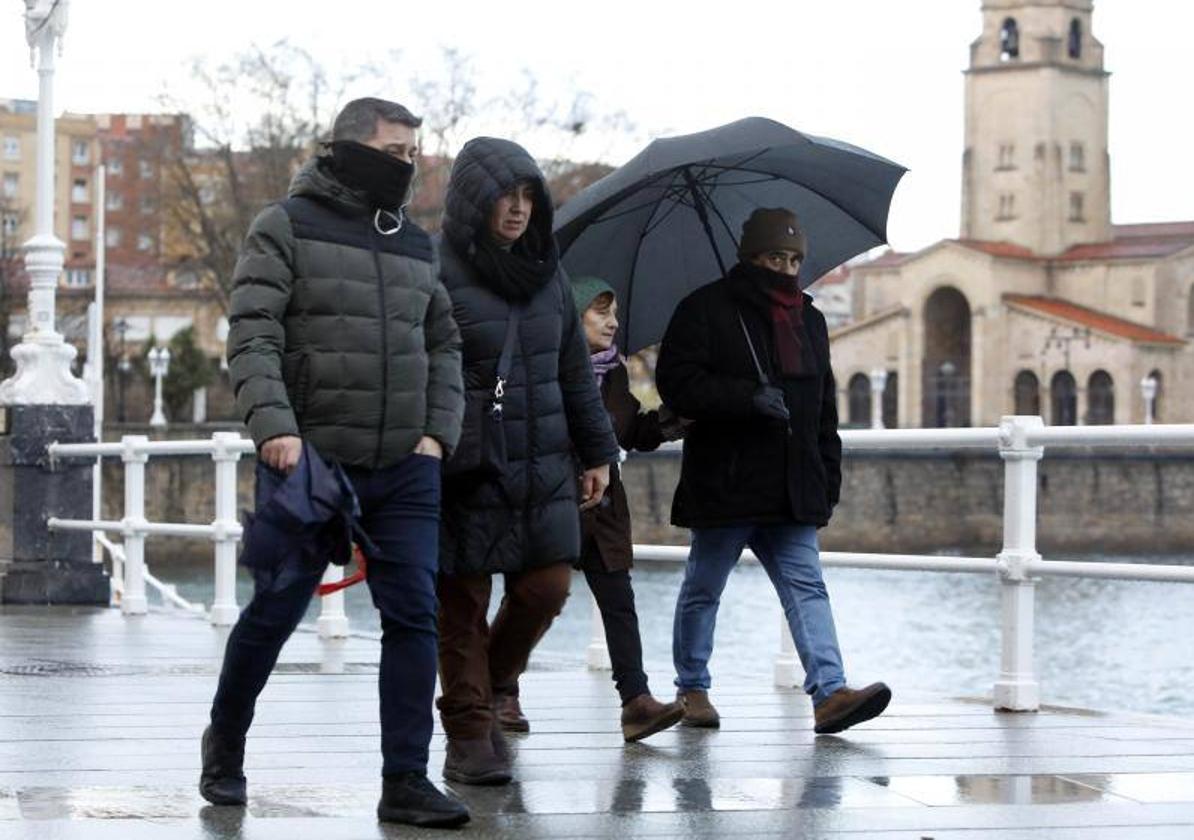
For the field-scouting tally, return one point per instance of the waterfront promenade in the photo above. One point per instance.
(100, 715)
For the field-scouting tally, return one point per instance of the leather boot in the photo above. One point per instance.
(411, 798)
(847, 707)
(222, 781)
(509, 713)
(472, 761)
(501, 747)
(698, 711)
(644, 716)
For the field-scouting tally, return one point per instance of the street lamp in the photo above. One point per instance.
(944, 394)
(159, 366)
(1148, 390)
(43, 358)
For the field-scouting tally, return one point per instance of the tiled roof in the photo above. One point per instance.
(1093, 318)
(997, 249)
(839, 275)
(1136, 242)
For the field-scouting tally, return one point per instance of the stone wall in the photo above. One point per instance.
(1089, 502)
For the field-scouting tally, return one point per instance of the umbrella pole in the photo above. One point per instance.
(703, 214)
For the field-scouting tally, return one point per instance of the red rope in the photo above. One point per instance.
(356, 577)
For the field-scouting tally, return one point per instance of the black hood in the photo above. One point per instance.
(485, 168)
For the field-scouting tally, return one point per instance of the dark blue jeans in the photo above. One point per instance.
(400, 512)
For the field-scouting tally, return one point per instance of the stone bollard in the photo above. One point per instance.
(40, 566)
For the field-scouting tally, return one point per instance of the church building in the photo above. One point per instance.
(1042, 305)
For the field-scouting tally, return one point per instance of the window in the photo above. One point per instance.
(78, 191)
(78, 277)
(147, 204)
(10, 224)
(1007, 207)
(146, 169)
(12, 148)
(1100, 399)
(1063, 391)
(1074, 42)
(859, 401)
(115, 166)
(1027, 394)
(891, 401)
(145, 242)
(112, 237)
(12, 184)
(1007, 156)
(1077, 157)
(80, 153)
(78, 228)
(1009, 40)
(1139, 291)
(1077, 209)
(114, 201)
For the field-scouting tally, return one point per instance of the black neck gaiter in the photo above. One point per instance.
(383, 178)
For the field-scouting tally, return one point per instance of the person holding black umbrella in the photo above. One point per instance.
(532, 412)
(747, 359)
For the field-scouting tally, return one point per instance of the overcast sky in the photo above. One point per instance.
(882, 74)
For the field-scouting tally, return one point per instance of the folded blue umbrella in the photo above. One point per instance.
(303, 520)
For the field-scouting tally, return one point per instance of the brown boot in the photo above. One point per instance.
(501, 747)
(472, 761)
(644, 716)
(847, 707)
(698, 711)
(509, 713)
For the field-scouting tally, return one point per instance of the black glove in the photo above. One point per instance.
(769, 401)
(671, 424)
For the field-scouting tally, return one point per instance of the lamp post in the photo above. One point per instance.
(43, 400)
(945, 396)
(878, 386)
(43, 358)
(159, 366)
(1148, 390)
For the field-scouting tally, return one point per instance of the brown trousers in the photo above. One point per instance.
(476, 659)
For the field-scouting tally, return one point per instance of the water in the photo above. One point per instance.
(1100, 644)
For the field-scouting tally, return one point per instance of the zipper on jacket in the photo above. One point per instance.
(385, 347)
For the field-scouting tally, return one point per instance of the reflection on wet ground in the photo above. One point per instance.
(100, 717)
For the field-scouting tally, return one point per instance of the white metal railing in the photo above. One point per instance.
(1021, 443)
(128, 560)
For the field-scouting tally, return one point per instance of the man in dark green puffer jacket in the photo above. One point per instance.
(342, 338)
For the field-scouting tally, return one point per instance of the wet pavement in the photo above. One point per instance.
(100, 717)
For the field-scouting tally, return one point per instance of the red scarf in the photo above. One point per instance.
(778, 296)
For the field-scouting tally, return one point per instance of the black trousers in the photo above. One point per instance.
(615, 599)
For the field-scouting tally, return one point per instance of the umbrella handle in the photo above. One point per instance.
(763, 379)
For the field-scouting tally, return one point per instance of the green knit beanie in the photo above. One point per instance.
(585, 290)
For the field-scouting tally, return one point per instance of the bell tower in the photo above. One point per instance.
(1036, 168)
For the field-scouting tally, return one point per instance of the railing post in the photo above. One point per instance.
(225, 528)
(597, 654)
(1017, 689)
(132, 600)
(332, 621)
(788, 672)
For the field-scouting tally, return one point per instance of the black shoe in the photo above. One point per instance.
(223, 779)
(411, 798)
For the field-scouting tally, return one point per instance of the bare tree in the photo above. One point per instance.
(261, 115)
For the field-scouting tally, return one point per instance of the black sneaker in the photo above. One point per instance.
(411, 798)
(222, 781)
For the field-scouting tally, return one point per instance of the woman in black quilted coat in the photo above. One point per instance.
(500, 265)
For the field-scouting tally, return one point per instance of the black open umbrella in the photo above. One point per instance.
(667, 222)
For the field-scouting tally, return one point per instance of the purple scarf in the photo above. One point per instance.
(604, 362)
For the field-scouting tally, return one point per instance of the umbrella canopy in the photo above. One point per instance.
(668, 221)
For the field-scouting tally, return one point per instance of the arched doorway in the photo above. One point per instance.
(858, 393)
(1063, 398)
(1100, 399)
(945, 370)
(1027, 393)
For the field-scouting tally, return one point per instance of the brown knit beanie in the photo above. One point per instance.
(771, 229)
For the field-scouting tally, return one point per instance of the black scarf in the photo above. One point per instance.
(383, 178)
(777, 297)
(515, 273)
